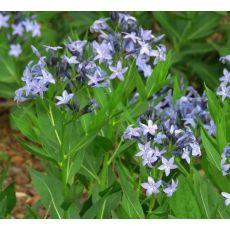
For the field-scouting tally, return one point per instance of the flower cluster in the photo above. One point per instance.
(192, 109)
(224, 88)
(153, 187)
(18, 29)
(36, 79)
(165, 133)
(93, 63)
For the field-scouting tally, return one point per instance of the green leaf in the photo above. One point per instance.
(183, 203)
(106, 202)
(177, 92)
(49, 188)
(157, 79)
(139, 84)
(23, 118)
(37, 151)
(130, 200)
(124, 89)
(166, 23)
(7, 200)
(212, 154)
(208, 73)
(209, 199)
(202, 25)
(220, 181)
(213, 104)
(75, 165)
(7, 90)
(110, 205)
(8, 73)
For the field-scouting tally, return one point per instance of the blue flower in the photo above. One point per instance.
(103, 51)
(145, 49)
(96, 79)
(131, 36)
(99, 25)
(131, 132)
(76, 47)
(186, 154)
(149, 128)
(224, 167)
(159, 54)
(189, 121)
(195, 149)
(226, 77)
(159, 138)
(15, 50)
(126, 18)
(33, 27)
(167, 165)
(170, 189)
(144, 149)
(146, 35)
(227, 198)
(4, 20)
(158, 153)
(19, 95)
(225, 59)
(142, 66)
(118, 71)
(46, 77)
(70, 60)
(211, 128)
(65, 98)
(224, 91)
(149, 158)
(151, 186)
(36, 87)
(18, 29)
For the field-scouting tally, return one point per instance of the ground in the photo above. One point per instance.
(20, 160)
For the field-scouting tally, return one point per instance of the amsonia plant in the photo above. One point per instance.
(86, 103)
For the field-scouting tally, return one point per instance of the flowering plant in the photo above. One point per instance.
(120, 135)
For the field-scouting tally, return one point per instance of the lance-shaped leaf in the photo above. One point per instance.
(130, 199)
(49, 188)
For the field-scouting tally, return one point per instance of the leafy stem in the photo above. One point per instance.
(64, 157)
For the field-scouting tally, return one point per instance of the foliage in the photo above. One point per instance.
(91, 171)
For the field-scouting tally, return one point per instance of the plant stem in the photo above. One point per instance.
(64, 158)
(152, 203)
(114, 154)
(64, 180)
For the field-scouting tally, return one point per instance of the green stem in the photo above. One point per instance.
(114, 154)
(152, 203)
(53, 124)
(64, 169)
(64, 158)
